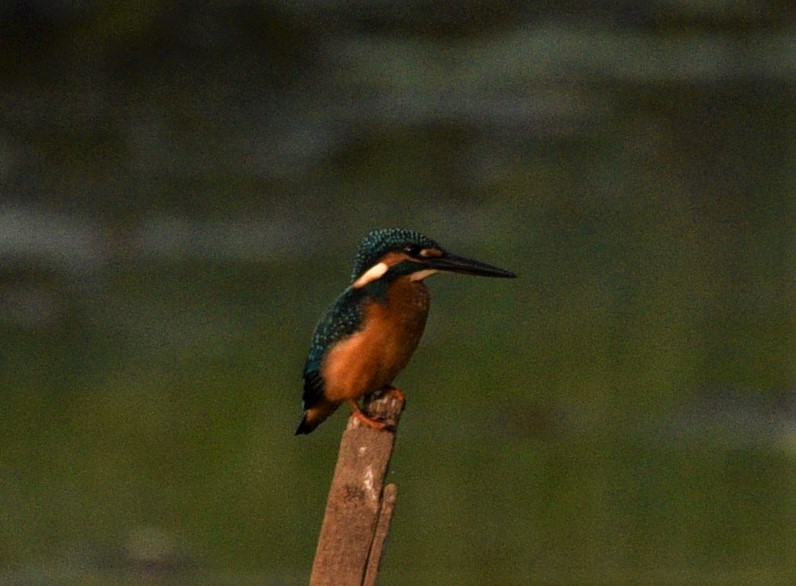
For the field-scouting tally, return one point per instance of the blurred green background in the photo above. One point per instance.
(183, 190)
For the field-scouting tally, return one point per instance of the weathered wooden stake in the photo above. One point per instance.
(359, 508)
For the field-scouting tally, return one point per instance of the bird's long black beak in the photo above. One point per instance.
(458, 264)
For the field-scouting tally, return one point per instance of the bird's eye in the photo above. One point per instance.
(412, 250)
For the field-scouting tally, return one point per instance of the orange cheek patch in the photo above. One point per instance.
(393, 258)
(377, 271)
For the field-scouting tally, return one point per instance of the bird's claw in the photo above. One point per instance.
(373, 423)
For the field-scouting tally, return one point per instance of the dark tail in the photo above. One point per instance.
(315, 415)
(306, 426)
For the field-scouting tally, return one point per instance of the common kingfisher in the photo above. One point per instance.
(369, 334)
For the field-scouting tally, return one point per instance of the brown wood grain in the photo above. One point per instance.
(359, 507)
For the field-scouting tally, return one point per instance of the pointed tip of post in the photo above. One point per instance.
(359, 506)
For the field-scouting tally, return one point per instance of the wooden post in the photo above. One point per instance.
(359, 508)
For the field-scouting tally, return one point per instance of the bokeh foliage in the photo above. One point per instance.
(183, 189)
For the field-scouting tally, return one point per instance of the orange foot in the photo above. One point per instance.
(396, 393)
(367, 421)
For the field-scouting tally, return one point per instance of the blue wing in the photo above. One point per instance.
(341, 320)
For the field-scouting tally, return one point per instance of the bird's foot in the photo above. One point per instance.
(372, 423)
(381, 409)
(395, 393)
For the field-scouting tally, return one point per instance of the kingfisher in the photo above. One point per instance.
(371, 331)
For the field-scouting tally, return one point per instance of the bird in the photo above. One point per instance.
(368, 335)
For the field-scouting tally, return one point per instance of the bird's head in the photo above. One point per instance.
(396, 252)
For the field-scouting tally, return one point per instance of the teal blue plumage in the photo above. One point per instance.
(341, 320)
(344, 317)
(380, 242)
(387, 292)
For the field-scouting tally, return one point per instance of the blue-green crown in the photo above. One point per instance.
(379, 242)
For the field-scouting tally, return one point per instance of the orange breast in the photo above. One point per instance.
(371, 358)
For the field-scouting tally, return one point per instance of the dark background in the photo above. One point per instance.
(183, 188)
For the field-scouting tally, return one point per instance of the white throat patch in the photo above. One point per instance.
(372, 274)
(420, 275)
